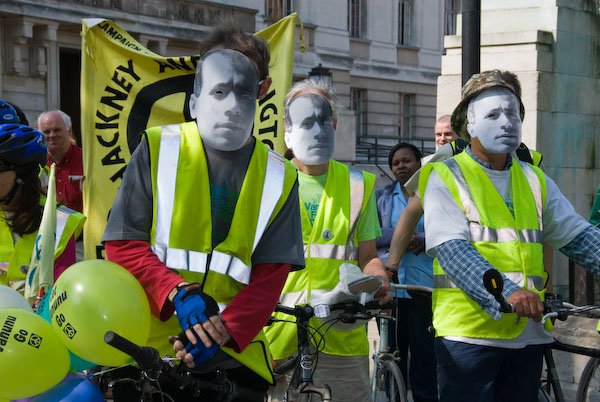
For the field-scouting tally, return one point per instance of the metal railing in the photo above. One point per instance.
(375, 149)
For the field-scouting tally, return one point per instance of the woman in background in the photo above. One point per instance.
(22, 155)
(413, 316)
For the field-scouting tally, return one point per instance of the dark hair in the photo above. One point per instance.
(232, 38)
(25, 206)
(401, 145)
(511, 79)
(289, 154)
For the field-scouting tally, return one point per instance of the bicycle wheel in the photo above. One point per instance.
(543, 395)
(387, 384)
(589, 383)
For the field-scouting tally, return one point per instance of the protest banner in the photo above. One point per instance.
(126, 88)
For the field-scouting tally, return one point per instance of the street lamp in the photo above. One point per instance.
(322, 75)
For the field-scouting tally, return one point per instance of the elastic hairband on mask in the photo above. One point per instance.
(259, 85)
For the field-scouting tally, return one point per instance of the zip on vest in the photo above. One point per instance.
(484, 233)
(194, 260)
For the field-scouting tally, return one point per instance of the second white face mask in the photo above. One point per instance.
(311, 135)
(497, 120)
(224, 108)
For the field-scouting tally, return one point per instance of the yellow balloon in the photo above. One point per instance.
(32, 358)
(95, 296)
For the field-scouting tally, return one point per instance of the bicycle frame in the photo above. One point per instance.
(304, 367)
(552, 376)
(381, 356)
(554, 307)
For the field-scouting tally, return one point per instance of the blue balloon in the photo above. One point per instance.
(74, 388)
(43, 310)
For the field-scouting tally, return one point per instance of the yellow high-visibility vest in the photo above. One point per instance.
(512, 244)
(181, 225)
(13, 255)
(523, 153)
(328, 243)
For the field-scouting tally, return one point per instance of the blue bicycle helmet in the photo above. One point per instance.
(8, 114)
(21, 145)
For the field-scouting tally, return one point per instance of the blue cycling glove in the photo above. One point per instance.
(200, 352)
(193, 306)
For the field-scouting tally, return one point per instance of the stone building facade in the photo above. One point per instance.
(384, 56)
(554, 48)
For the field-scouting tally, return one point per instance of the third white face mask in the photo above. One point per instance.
(311, 135)
(497, 122)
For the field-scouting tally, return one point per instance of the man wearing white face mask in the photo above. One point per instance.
(339, 225)
(207, 219)
(485, 209)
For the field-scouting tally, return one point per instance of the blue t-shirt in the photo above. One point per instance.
(413, 269)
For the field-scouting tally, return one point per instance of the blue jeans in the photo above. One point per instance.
(481, 373)
(411, 331)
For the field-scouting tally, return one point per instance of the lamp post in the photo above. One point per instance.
(322, 75)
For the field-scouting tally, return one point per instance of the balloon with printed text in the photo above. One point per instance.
(93, 297)
(43, 310)
(32, 358)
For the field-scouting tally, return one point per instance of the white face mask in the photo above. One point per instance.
(311, 135)
(497, 120)
(224, 109)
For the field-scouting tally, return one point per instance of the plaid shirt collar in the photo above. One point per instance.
(486, 164)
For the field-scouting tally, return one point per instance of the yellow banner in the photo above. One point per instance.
(126, 88)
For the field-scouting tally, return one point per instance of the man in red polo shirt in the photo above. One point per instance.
(67, 156)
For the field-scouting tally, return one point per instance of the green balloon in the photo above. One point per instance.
(32, 358)
(95, 296)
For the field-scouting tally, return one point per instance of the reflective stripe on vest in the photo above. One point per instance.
(443, 282)
(499, 235)
(349, 251)
(299, 297)
(193, 260)
(181, 231)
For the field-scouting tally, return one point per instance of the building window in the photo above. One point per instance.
(358, 103)
(277, 9)
(452, 9)
(355, 18)
(406, 120)
(404, 18)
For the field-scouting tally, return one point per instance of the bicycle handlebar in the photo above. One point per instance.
(554, 306)
(147, 358)
(353, 311)
(150, 362)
